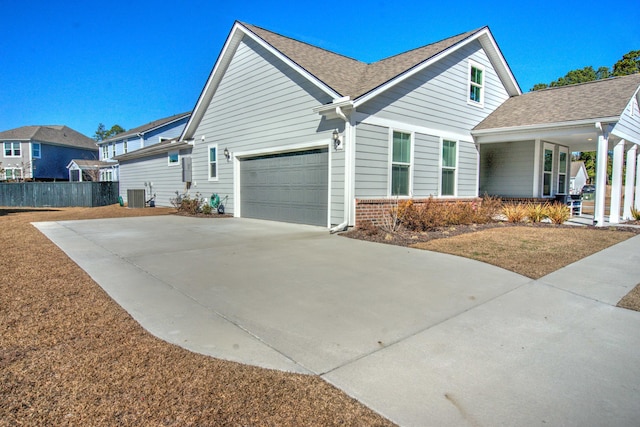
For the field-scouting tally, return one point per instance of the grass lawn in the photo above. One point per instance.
(531, 251)
(69, 355)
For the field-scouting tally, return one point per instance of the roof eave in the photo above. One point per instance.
(224, 59)
(488, 43)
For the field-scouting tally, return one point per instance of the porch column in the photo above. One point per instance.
(616, 182)
(637, 198)
(629, 181)
(601, 176)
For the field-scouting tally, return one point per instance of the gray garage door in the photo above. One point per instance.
(289, 187)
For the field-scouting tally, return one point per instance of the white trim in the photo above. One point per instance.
(209, 177)
(237, 156)
(412, 139)
(4, 153)
(455, 170)
(378, 121)
(169, 162)
(33, 156)
(482, 85)
(482, 36)
(546, 126)
(567, 172)
(545, 147)
(238, 32)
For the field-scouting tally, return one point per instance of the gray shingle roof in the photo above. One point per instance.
(348, 76)
(160, 148)
(147, 127)
(593, 100)
(54, 134)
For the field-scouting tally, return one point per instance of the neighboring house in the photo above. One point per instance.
(137, 138)
(292, 132)
(402, 127)
(525, 144)
(90, 170)
(42, 152)
(579, 177)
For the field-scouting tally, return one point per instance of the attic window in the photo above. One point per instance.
(476, 84)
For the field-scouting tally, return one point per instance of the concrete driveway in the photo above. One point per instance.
(422, 338)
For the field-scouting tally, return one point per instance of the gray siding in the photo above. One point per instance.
(259, 105)
(337, 170)
(467, 169)
(426, 174)
(629, 124)
(166, 179)
(372, 162)
(506, 169)
(437, 97)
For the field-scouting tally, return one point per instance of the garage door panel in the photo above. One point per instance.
(291, 187)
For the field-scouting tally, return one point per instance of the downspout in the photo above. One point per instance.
(347, 175)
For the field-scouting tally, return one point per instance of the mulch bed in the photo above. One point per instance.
(69, 355)
(404, 237)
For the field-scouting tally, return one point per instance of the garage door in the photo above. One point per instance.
(289, 187)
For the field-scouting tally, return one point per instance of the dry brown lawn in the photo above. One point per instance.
(531, 251)
(69, 355)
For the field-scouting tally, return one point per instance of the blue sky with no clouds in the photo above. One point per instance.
(79, 63)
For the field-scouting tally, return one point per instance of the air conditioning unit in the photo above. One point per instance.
(136, 198)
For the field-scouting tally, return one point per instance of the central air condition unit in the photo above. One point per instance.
(136, 198)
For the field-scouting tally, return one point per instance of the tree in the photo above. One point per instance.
(629, 64)
(102, 133)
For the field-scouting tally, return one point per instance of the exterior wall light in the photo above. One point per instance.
(337, 143)
(227, 155)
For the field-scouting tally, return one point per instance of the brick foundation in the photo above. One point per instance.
(373, 210)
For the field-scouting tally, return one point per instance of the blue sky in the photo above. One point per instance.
(79, 63)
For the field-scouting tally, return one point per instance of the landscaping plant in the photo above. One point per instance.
(558, 213)
(515, 212)
(536, 212)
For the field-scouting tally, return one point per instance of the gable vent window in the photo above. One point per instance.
(476, 84)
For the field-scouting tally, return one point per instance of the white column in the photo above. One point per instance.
(637, 198)
(629, 181)
(601, 178)
(616, 182)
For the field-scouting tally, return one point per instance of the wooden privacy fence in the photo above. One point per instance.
(58, 194)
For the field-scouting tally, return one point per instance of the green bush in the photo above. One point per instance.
(206, 209)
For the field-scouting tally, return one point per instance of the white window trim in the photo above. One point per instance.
(113, 149)
(547, 146)
(125, 146)
(412, 137)
(13, 173)
(33, 156)
(455, 173)
(4, 153)
(473, 64)
(105, 151)
(169, 162)
(567, 173)
(209, 177)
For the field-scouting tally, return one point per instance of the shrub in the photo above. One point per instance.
(187, 204)
(368, 228)
(536, 212)
(558, 212)
(488, 209)
(635, 213)
(206, 209)
(433, 214)
(515, 213)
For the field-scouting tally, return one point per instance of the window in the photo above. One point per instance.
(12, 149)
(35, 150)
(113, 150)
(548, 171)
(12, 173)
(124, 147)
(213, 163)
(476, 84)
(448, 174)
(174, 158)
(105, 152)
(562, 170)
(400, 164)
